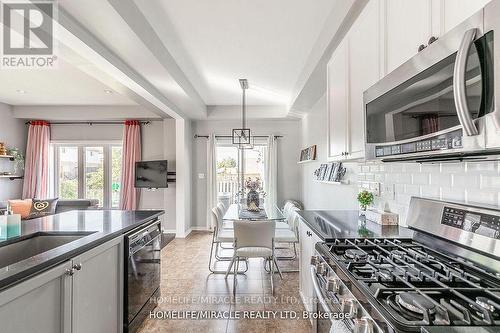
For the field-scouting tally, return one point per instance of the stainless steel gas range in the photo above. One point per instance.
(446, 275)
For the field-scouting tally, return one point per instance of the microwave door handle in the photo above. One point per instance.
(459, 89)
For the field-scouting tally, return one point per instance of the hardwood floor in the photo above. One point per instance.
(187, 285)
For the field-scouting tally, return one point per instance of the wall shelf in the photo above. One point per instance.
(11, 177)
(342, 182)
(306, 161)
(10, 157)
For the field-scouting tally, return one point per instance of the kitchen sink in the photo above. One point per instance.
(25, 248)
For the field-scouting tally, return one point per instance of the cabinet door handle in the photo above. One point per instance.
(432, 40)
(77, 266)
(421, 47)
(308, 233)
(70, 272)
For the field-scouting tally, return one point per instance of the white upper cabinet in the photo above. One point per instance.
(364, 71)
(337, 99)
(408, 25)
(353, 68)
(456, 11)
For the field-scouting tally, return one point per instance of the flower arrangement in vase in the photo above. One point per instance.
(365, 198)
(254, 187)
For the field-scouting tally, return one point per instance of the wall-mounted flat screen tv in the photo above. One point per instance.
(151, 174)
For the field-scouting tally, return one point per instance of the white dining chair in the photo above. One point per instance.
(253, 239)
(220, 236)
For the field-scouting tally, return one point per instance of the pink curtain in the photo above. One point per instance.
(129, 195)
(36, 173)
(430, 124)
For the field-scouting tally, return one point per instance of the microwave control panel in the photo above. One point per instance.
(452, 140)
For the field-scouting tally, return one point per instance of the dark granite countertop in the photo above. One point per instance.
(99, 225)
(332, 224)
(469, 329)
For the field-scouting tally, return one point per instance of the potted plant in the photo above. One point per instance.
(365, 198)
(18, 160)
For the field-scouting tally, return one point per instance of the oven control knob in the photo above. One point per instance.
(321, 269)
(333, 284)
(363, 325)
(349, 307)
(314, 260)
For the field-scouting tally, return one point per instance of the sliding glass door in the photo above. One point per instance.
(228, 166)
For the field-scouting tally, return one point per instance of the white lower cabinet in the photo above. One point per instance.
(80, 295)
(307, 241)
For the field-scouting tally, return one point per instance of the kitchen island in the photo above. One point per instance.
(65, 272)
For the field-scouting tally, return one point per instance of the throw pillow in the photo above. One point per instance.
(22, 207)
(43, 207)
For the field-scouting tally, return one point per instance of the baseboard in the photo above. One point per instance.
(191, 229)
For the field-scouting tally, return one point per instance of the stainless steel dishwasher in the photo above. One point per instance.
(142, 273)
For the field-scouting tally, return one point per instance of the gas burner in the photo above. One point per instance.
(398, 254)
(415, 302)
(486, 303)
(355, 254)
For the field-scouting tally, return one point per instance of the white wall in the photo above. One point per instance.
(288, 154)
(13, 132)
(319, 195)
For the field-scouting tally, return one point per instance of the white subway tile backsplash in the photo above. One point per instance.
(450, 168)
(482, 167)
(413, 190)
(477, 196)
(431, 168)
(440, 179)
(412, 167)
(433, 192)
(465, 180)
(453, 194)
(490, 182)
(420, 178)
(477, 183)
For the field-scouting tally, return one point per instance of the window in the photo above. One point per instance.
(227, 168)
(87, 171)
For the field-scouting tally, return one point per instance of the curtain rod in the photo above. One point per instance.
(196, 136)
(90, 123)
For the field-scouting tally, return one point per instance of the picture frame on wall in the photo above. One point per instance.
(308, 154)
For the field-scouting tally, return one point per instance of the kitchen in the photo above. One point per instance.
(385, 173)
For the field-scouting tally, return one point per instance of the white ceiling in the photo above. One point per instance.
(218, 41)
(64, 85)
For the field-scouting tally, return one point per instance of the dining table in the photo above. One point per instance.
(238, 212)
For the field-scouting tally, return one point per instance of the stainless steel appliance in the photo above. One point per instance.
(142, 273)
(442, 103)
(447, 274)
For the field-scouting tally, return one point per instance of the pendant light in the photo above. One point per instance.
(242, 137)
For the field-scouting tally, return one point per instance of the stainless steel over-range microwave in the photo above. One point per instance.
(442, 103)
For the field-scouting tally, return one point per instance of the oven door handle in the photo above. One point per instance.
(319, 295)
(459, 84)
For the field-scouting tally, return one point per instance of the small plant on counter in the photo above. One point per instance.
(365, 198)
(18, 159)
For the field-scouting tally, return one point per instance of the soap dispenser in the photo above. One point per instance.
(3, 225)
(13, 224)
